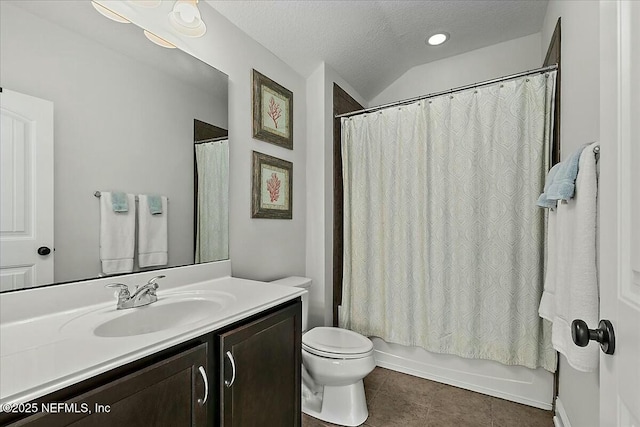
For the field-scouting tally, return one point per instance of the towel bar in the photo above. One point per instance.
(99, 194)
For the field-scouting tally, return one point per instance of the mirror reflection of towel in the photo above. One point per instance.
(117, 235)
(153, 244)
(120, 202)
(155, 205)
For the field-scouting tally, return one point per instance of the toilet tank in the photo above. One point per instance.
(299, 282)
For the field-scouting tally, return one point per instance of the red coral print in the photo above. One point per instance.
(273, 187)
(274, 111)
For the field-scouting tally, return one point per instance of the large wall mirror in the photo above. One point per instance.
(128, 116)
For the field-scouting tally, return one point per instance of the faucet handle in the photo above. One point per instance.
(152, 281)
(123, 292)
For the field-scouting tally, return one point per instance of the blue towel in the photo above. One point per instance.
(119, 202)
(544, 201)
(155, 205)
(561, 181)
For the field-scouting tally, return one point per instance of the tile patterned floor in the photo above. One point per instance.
(396, 399)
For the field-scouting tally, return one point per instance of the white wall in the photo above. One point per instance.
(315, 241)
(319, 265)
(580, 119)
(141, 128)
(494, 61)
(580, 97)
(263, 249)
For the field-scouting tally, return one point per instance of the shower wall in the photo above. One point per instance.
(519, 384)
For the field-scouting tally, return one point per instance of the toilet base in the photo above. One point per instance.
(344, 405)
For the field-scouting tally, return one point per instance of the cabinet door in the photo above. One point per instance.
(167, 393)
(260, 371)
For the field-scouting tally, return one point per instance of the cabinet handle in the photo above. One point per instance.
(206, 386)
(233, 370)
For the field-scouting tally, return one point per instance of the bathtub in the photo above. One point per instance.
(515, 383)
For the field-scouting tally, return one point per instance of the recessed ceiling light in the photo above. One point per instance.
(110, 13)
(159, 40)
(437, 39)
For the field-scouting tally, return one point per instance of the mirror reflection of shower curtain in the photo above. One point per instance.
(212, 217)
(443, 241)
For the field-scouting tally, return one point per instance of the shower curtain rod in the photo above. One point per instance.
(444, 92)
(204, 141)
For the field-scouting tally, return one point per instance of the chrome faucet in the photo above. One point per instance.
(144, 295)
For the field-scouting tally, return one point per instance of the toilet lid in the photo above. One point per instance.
(336, 342)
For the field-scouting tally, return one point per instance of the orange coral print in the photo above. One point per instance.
(275, 112)
(273, 187)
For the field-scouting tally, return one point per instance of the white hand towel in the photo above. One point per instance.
(547, 309)
(571, 283)
(117, 235)
(153, 244)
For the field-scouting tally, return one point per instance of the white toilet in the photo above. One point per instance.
(335, 361)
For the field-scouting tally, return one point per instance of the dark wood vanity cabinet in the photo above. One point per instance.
(260, 371)
(168, 389)
(171, 392)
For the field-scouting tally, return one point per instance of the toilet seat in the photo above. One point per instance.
(336, 343)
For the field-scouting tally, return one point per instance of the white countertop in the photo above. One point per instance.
(47, 353)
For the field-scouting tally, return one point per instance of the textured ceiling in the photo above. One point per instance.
(372, 43)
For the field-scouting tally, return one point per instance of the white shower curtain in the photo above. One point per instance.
(443, 242)
(212, 227)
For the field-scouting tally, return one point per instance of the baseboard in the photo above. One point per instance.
(561, 419)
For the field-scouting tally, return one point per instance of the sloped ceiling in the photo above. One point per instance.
(372, 43)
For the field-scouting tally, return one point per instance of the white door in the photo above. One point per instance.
(620, 210)
(26, 191)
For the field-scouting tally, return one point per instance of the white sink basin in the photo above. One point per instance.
(170, 311)
(154, 318)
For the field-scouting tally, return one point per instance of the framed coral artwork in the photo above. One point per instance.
(272, 112)
(272, 187)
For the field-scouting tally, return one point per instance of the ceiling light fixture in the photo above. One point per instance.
(437, 39)
(159, 40)
(110, 13)
(185, 18)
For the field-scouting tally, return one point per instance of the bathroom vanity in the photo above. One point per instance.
(218, 352)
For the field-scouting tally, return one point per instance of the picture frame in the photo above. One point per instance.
(272, 189)
(272, 111)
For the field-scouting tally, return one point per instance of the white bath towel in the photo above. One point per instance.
(571, 283)
(152, 234)
(117, 235)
